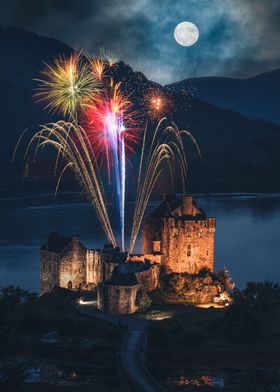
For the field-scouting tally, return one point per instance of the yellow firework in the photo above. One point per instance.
(166, 146)
(72, 144)
(66, 83)
(98, 67)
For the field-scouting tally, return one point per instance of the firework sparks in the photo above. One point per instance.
(72, 143)
(109, 119)
(66, 84)
(166, 146)
(156, 104)
(109, 57)
(110, 127)
(98, 67)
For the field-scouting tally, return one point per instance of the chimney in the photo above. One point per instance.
(187, 205)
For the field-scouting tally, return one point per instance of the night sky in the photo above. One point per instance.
(237, 37)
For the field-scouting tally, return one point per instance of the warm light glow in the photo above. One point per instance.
(213, 305)
(156, 103)
(86, 303)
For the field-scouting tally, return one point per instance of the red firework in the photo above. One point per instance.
(110, 118)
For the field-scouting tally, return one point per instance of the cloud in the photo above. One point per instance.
(237, 37)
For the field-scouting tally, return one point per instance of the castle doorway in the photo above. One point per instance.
(69, 285)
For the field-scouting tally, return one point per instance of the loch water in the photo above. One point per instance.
(247, 234)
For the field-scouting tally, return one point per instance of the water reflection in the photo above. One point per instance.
(201, 381)
(229, 379)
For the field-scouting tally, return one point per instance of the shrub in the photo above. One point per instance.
(143, 301)
(262, 296)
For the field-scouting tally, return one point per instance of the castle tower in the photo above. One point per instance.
(182, 233)
(63, 263)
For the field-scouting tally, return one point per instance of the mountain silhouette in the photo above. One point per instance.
(255, 97)
(239, 154)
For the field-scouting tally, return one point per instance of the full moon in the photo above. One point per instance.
(186, 33)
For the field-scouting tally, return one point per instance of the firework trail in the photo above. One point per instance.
(166, 146)
(111, 128)
(78, 88)
(123, 179)
(72, 143)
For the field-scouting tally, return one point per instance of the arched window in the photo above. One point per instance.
(69, 285)
(189, 252)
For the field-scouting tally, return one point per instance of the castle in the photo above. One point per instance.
(177, 237)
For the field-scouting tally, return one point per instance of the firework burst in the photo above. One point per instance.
(157, 104)
(66, 84)
(98, 68)
(108, 119)
(109, 57)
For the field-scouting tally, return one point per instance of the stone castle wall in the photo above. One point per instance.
(48, 271)
(149, 279)
(151, 230)
(153, 257)
(180, 236)
(94, 267)
(116, 299)
(188, 246)
(72, 267)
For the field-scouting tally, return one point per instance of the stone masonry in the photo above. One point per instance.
(181, 234)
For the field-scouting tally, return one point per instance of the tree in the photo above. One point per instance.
(13, 296)
(262, 296)
(240, 322)
(224, 278)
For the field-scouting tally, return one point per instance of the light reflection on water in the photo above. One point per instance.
(247, 236)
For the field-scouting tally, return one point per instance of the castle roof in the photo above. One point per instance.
(122, 279)
(113, 255)
(134, 266)
(169, 204)
(56, 243)
(183, 207)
